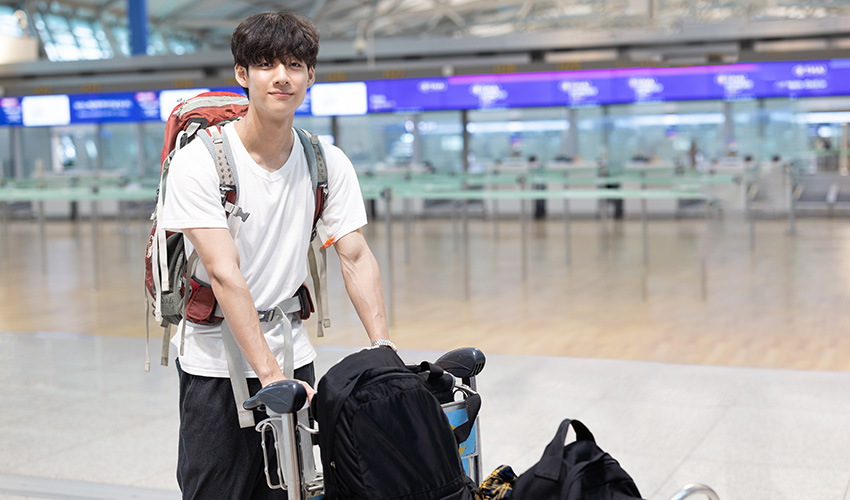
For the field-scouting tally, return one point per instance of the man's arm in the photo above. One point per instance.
(363, 283)
(217, 252)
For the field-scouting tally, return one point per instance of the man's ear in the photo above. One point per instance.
(241, 74)
(311, 73)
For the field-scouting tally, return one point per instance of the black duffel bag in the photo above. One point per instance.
(577, 471)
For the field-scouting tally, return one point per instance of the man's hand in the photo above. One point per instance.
(310, 391)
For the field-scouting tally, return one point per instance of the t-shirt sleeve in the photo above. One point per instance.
(192, 198)
(344, 209)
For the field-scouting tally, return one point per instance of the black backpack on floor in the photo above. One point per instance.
(383, 434)
(577, 471)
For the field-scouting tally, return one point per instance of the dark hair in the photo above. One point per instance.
(275, 36)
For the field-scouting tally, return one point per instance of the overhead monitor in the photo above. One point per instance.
(46, 110)
(339, 99)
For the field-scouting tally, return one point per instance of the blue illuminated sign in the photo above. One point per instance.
(502, 91)
(584, 88)
(563, 88)
(96, 108)
(11, 111)
(147, 105)
(797, 79)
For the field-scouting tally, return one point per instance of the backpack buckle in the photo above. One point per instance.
(238, 212)
(266, 316)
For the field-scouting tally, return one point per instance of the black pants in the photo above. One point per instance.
(218, 460)
(540, 205)
(617, 203)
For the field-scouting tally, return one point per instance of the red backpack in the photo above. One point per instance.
(168, 270)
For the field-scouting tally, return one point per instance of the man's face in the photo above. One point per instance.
(276, 88)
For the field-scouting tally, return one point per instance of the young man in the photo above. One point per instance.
(265, 262)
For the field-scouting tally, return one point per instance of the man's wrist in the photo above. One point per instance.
(384, 343)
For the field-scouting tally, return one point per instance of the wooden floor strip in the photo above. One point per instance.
(704, 298)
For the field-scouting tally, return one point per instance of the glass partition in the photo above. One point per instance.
(590, 123)
(377, 142)
(120, 149)
(768, 128)
(690, 133)
(7, 148)
(504, 134)
(36, 148)
(822, 131)
(440, 135)
(673, 133)
(152, 137)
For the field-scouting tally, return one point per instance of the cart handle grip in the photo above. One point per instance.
(463, 363)
(283, 396)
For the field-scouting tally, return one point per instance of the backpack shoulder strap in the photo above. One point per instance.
(319, 241)
(318, 170)
(219, 148)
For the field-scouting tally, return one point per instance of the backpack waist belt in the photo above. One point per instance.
(203, 309)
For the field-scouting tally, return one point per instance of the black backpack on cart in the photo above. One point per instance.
(383, 433)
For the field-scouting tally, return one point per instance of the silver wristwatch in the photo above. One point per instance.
(384, 343)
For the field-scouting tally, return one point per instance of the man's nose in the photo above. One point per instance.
(281, 75)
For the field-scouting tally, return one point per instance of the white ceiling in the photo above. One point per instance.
(214, 20)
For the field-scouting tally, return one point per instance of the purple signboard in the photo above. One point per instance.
(662, 84)
(380, 97)
(839, 71)
(11, 111)
(103, 108)
(796, 79)
(502, 91)
(584, 88)
(147, 105)
(563, 88)
(736, 81)
(422, 94)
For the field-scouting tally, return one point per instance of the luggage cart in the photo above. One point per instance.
(290, 463)
(695, 489)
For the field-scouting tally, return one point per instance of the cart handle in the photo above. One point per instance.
(463, 363)
(695, 489)
(283, 396)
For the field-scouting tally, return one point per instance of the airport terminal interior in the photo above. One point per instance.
(636, 209)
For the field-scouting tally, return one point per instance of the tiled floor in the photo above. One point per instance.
(80, 419)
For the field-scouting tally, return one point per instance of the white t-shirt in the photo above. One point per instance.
(272, 242)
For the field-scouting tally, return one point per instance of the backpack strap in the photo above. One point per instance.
(549, 466)
(159, 271)
(236, 362)
(219, 148)
(319, 241)
(317, 167)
